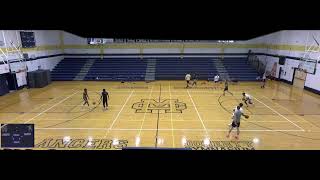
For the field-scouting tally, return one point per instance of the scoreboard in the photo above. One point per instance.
(17, 135)
(27, 39)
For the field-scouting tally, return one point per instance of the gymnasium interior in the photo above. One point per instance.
(43, 74)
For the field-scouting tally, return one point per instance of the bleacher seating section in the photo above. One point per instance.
(118, 69)
(176, 68)
(67, 69)
(239, 69)
(134, 69)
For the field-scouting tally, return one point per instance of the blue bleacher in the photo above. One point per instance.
(239, 69)
(67, 69)
(118, 69)
(134, 69)
(176, 68)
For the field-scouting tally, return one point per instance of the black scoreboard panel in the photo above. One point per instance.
(27, 39)
(17, 135)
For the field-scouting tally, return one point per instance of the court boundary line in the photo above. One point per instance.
(170, 129)
(173, 144)
(30, 111)
(280, 114)
(144, 116)
(51, 107)
(304, 120)
(197, 113)
(121, 105)
(219, 120)
(158, 118)
(207, 91)
(110, 128)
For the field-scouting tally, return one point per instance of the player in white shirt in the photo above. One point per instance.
(240, 105)
(236, 121)
(187, 78)
(216, 78)
(247, 99)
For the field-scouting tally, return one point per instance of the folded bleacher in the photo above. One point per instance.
(239, 69)
(174, 68)
(118, 69)
(67, 69)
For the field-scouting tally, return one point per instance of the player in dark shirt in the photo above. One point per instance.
(85, 97)
(104, 97)
(194, 78)
(226, 88)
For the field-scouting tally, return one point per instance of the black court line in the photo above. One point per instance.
(156, 144)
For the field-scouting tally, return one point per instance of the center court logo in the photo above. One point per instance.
(165, 106)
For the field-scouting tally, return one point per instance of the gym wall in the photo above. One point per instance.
(47, 53)
(288, 43)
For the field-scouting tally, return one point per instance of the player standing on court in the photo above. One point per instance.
(247, 98)
(226, 88)
(236, 121)
(104, 97)
(263, 80)
(194, 78)
(216, 79)
(187, 78)
(85, 97)
(234, 111)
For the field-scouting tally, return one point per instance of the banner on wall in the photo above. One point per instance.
(21, 78)
(4, 68)
(273, 72)
(97, 41)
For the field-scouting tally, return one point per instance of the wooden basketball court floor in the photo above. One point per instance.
(164, 114)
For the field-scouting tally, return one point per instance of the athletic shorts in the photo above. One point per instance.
(225, 89)
(234, 124)
(215, 81)
(188, 81)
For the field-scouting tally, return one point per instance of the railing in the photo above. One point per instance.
(3, 57)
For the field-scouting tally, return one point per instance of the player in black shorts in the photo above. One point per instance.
(236, 121)
(226, 88)
(104, 97)
(263, 81)
(195, 79)
(85, 97)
